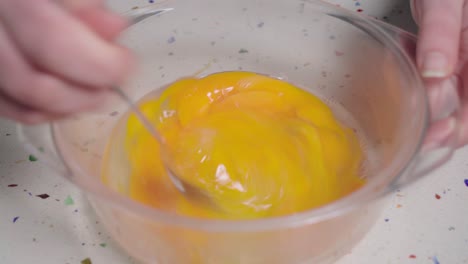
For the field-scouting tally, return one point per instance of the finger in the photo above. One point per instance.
(439, 133)
(95, 15)
(50, 94)
(463, 112)
(463, 56)
(79, 4)
(16, 112)
(61, 44)
(106, 24)
(440, 27)
(40, 91)
(463, 129)
(443, 101)
(415, 10)
(444, 96)
(463, 72)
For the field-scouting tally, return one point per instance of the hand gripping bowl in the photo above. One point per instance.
(355, 63)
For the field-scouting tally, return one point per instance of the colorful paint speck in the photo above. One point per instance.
(69, 200)
(86, 261)
(171, 40)
(437, 196)
(466, 182)
(103, 245)
(435, 260)
(12, 185)
(412, 256)
(32, 158)
(43, 196)
(15, 219)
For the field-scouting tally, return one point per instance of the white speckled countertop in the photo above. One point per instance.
(44, 219)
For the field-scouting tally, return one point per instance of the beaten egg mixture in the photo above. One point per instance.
(256, 146)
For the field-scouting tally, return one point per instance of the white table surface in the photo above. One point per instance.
(416, 227)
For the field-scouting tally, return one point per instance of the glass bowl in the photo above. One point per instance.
(361, 67)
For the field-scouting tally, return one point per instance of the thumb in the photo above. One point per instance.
(105, 23)
(439, 36)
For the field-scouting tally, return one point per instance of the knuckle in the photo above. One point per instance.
(21, 91)
(40, 91)
(120, 63)
(45, 45)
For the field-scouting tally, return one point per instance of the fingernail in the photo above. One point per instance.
(435, 65)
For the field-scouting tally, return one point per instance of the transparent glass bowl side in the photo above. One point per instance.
(350, 61)
(379, 93)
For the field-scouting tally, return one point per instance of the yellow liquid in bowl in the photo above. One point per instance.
(255, 145)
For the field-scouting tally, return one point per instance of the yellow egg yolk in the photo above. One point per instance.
(254, 145)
